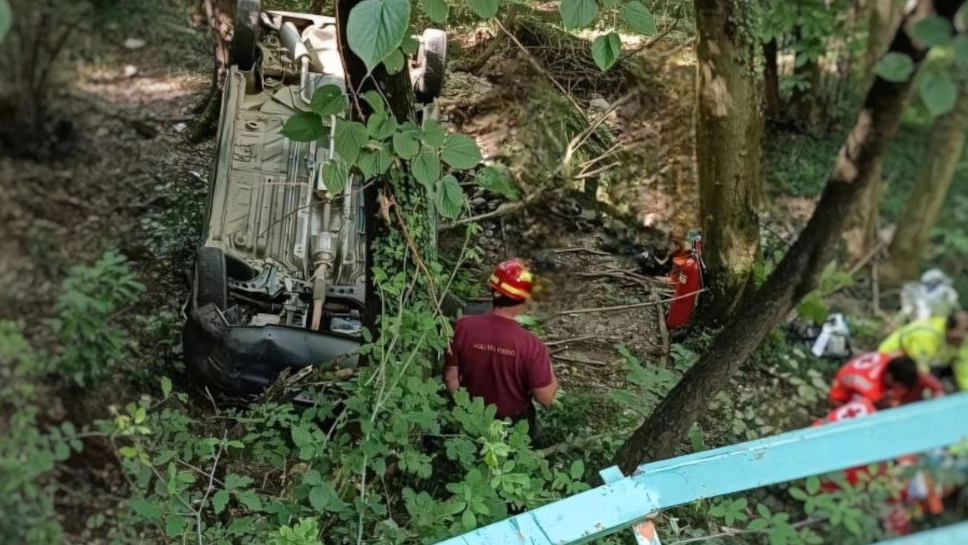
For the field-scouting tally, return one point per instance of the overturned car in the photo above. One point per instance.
(279, 279)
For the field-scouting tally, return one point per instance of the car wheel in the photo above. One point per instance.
(432, 60)
(245, 34)
(210, 282)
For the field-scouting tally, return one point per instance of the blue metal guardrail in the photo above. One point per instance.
(624, 501)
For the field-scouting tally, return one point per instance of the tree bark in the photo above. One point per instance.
(771, 81)
(798, 272)
(921, 213)
(728, 140)
(399, 93)
(220, 17)
(805, 102)
(861, 230)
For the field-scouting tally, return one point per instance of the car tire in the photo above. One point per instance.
(245, 35)
(211, 285)
(432, 60)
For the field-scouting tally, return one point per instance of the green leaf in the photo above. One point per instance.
(577, 470)
(350, 137)
(938, 91)
(375, 29)
(468, 520)
(895, 67)
(303, 127)
(128, 452)
(798, 494)
(960, 49)
(405, 145)
(301, 436)
(763, 510)
(738, 505)
(6, 19)
(606, 50)
(813, 485)
(317, 498)
(578, 13)
(637, 18)
(165, 381)
(497, 179)
(394, 62)
(409, 46)
(433, 133)
(335, 177)
(146, 509)
(219, 500)
(140, 415)
(450, 197)
(813, 308)
(483, 8)
(381, 125)
(374, 162)
(375, 100)
(249, 499)
(234, 482)
(852, 526)
(931, 31)
(758, 525)
(436, 10)
(426, 167)
(328, 100)
(174, 526)
(461, 152)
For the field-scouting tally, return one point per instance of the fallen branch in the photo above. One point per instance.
(663, 329)
(587, 250)
(571, 340)
(629, 307)
(576, 359)
(579, 140)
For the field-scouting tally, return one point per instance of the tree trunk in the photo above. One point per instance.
(921, 213)
(861, 231)
(884, 18)
(805, 102)
(220, 17)
(728, 140)
(798, 272)
(399, 93)
(771, 81)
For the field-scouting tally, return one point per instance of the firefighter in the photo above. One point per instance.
(493, 357)
(885, 380)
(936, 344)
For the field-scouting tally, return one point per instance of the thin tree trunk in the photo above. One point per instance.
(771, 81)
(399, 93)
(921, 213)
(728, 140)
(798, 272)
(805, 102)
(861, 231)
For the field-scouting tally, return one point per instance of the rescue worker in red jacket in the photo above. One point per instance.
(886, 380)
(495, 358)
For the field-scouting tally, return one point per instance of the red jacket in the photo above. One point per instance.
(864, 377)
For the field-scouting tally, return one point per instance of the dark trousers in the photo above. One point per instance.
(531, 415)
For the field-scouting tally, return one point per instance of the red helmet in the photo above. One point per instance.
(512, 279)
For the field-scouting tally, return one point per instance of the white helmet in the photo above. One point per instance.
(934, 278)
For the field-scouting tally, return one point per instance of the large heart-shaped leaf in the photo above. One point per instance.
(374, 162)
(449, 197)
(375, 29)
(938, 91)
(461, 152)
(606, 50)
(426, 167)
(931, 31)
(433, 133)
(394, 62)
(960, 49)
(895, 67)
(335, 177)
(381, 125)
(6, 19)
(328, 100)
(303, 127)
(637, 18)
(351, 136)
(483, 8)
(436, 10)
(405, 145)
(578, 13)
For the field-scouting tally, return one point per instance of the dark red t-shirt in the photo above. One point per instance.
(499, 361)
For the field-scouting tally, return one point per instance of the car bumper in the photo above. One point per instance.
(241, 361)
